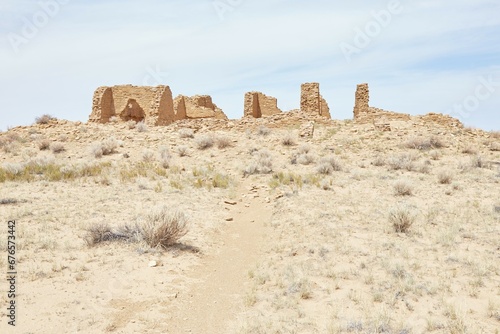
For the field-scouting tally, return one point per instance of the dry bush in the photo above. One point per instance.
(163, 228)
(141, 127)
(131, 124)
(445, 177)
(57, 147)
(288, 140)
(424, 144)
(379, 161)
(109, 146)
(263, 163)
(44, 144)
(96, 150)
(186, 133)
(204, 142)
(401, 219)
(182, 150)
(305, 159)
(148, 156)
(165, 157)
(223, 142)
(479, 162)
(403, 188)
(495, 146)
(304, 149)
(435, 155)
(469, 150)
(402, 161)
(495, 134)
(102, 232)
(327, 165)
(263, 130)
(44, 119)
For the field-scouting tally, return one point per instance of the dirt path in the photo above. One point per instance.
(221, 281)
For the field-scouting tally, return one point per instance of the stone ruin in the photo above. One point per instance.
(151, 105)
(198, 106)
(312, 102)
(258, 105)
(363, 113)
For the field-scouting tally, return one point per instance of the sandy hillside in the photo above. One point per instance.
(357, 229)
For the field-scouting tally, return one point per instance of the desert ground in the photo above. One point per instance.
(355, 229)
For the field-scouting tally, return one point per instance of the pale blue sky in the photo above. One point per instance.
(417, 56)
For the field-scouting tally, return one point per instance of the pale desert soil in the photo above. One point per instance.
(296, 251)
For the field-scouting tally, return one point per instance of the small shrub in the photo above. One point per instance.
(102, 232)
(478, 162)
(148, 156)
(402, 161)
(263, 130)
(469, 150)
(327, 165)
(495, 146)
(114, 119)
(424, 144)
(186, 133)
(131, 124)
(141, 127)
(305, 159)
(44, 119)
(304, 149)
(163, 228)
(44, 144)
(109, 146)
(401, 219)
(96, 150)
(57, 147)
(445, 177)
(435, 155)
(204, 142)
(262, 165)
(379, 161)
(182, 151)
(403, 188)
(288, 140)
(223, 142)
(165, 157)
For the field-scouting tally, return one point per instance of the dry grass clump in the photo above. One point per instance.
(103, 232)
(204, 142)
(479, 162)
(445, 177)
(402, 161)
(495, 146)
(44, 119)
(403, 188)
(401, 219)
(305, 159)
(131, 124)
(495, 134)
(263, 130)
(328, 165)
(435, 155)
(182, 150)
(163, 228)
(424, 144)
(288, 140)
(378, 161)
(469, 150)
(304, 149)
(106, 147)
(165, 157)
(141, 127)
(57, 147)
(223, 142)
(148, 156)
(263, 163)
(44, 144)
(186, 133)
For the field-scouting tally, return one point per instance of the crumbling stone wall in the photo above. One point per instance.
(259, 105)
(311, 100)
(153, 105)
(198, 106)
(362, 100)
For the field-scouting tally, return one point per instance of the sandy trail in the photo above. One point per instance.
(220, 283)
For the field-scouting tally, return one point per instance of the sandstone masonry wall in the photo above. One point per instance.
(153, 105)
(198, 106)
(311, 100)
(259, 105)
(362, 100)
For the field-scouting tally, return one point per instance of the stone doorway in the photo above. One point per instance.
(132, 111)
